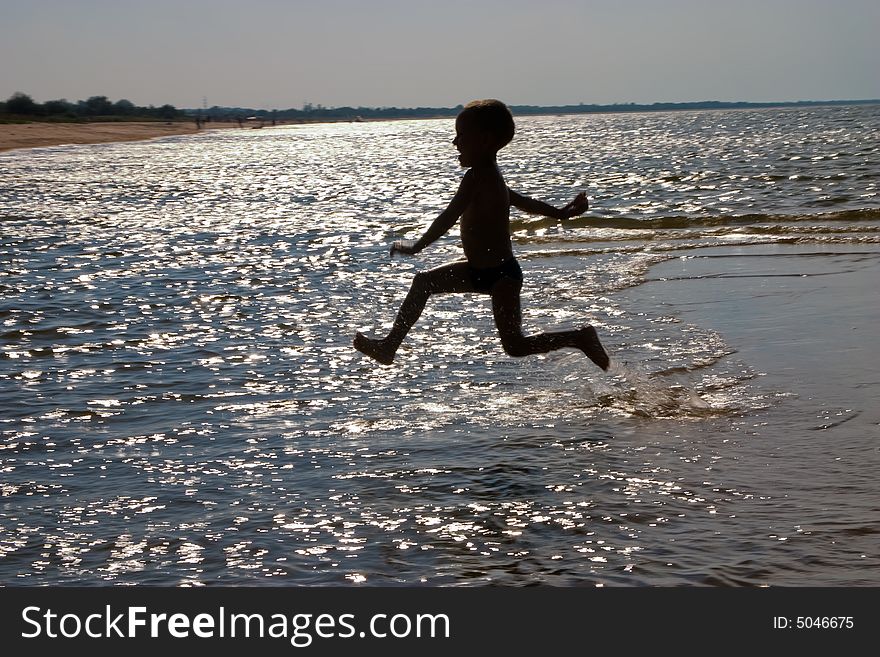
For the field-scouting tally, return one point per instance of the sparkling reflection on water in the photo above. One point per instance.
(181, 403)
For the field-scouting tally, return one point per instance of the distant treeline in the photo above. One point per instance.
(96, 108)
(321, 113)
(20, 106)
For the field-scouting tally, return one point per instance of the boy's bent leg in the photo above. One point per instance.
(446, 279)
(508, 318)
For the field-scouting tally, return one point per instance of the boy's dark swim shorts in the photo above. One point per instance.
(484, 279)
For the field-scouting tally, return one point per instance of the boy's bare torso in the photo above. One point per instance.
(485, 222)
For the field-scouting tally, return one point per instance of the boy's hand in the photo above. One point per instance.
(403, 246)
(579, 205)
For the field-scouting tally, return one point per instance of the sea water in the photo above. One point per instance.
(180, 403)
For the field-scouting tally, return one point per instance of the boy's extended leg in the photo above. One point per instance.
(448, 278)
(508, 318)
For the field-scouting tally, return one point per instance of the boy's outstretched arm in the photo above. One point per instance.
(579, 205)
(443, 222)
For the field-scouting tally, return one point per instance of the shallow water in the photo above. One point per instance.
(180, 403)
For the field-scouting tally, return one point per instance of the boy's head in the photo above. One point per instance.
(489, 118)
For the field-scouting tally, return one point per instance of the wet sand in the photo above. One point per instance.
(802, 316)
(805, 316)
(36, 135)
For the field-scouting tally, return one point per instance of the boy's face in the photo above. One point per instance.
(474, 147)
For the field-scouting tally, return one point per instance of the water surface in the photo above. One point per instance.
(180, 403)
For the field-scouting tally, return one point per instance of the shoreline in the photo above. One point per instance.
(14, 136)
(40, 134)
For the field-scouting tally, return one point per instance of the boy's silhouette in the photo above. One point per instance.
(483, 203)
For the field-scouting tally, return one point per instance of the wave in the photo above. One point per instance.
(686, 222)
(667, 249)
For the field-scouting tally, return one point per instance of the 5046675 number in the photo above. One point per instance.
(824, 622)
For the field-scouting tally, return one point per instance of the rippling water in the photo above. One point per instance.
(180, 403)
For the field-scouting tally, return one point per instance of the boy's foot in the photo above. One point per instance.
(376, 349)
(590, 345)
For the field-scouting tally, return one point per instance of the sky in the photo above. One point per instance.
(278, 54)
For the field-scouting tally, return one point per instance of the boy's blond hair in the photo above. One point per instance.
(492, 117)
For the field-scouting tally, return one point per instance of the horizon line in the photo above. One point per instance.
(315, 107)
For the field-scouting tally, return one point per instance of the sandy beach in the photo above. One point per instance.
(38, 134)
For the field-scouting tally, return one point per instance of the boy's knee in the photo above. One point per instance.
(422, 281)
(429, 282)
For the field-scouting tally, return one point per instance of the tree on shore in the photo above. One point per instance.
(58, 107)
(19, 103)
(167, 111)
(124, 107)
(96, 106)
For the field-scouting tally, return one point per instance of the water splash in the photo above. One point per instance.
(636, 392)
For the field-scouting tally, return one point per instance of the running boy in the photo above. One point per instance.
(483, 202)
